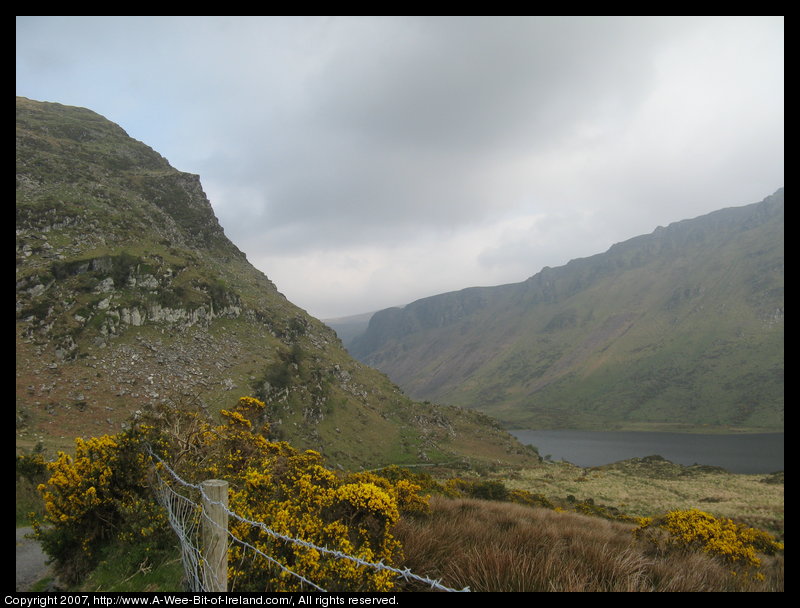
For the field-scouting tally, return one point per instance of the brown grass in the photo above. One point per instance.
(490, 546)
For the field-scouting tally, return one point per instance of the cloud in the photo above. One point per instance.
(415, 122)
(372, 155)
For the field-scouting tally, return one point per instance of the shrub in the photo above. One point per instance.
(530, 499)
(735, 544)
(31, 471)
(486, 490)
(102, 496)
(31, 467)
(97, 497)
(404, 492)
(293, 494)
(589, 507)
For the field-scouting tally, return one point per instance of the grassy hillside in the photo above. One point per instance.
(678, 329)
(128, 294)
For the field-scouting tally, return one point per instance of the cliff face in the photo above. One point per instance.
(681, 327)
(128, 293)
(110, 236)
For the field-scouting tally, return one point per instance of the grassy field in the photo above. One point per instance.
(493, 546)
(646, 488)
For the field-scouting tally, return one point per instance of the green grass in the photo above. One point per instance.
(45, 584)
(136, 568)
(28, 501)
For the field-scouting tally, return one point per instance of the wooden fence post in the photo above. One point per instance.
(215, 534)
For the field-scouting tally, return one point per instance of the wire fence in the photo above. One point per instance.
(188, 518)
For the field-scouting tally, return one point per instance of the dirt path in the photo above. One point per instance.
(31, 561)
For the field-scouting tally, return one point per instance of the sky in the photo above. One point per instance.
(367, 162)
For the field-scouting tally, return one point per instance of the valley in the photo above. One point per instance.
(131, 302)
(681, 329)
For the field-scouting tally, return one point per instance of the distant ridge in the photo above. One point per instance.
(678, 329)
(350, 327)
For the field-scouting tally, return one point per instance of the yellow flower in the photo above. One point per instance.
(732, 542)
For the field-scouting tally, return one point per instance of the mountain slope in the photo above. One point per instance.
(676, 329)
(128, 293)
(349, 328)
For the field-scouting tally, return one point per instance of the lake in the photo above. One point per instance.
(744, 453)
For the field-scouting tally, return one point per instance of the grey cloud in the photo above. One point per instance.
(323, 134)
(476, 82)
(408, 120)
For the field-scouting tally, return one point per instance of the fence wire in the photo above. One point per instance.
(185, 517)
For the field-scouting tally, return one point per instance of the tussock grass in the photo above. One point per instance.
(491, 546)
(745, 498)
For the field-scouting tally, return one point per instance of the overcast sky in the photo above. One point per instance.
(362, 163)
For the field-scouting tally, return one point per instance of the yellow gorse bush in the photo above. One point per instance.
(97, 496)
(103, 494)
(736, 544)
(369, 498)
(295, 495)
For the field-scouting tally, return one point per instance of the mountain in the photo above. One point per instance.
(350, 327)
(679, 329)
(128, 293)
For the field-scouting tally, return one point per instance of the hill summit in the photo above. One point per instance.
(129, 294)
(681, 329)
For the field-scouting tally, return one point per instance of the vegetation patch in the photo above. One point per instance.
(735, 544)
(496, 546)
(101, 497)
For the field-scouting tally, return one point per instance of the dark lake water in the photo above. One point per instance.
(753, 454)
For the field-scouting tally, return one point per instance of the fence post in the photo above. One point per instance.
(215, 534)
